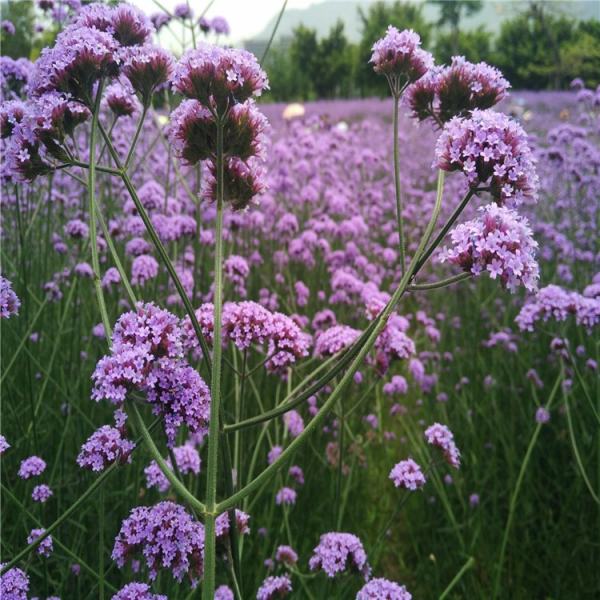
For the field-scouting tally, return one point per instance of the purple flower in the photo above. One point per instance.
(14, 584)
(222, 524)
(383, 589)
(45, 547)
(121, 100)
(223, 592)
(76, 228)
(337, 552)
(183, 11)
(286, 555)
(80, 56)
(9, 302)
(455, 90)
(213, 75)
(137, 591)
(31, 467)
(147, 68)
(554, 302)
(8, 27)
(41, 493)
(159, 20)
(492, 151)
(400, 58)
(104, 447)
(285, 496)
(274, 587)
(501, 243)
(4, 445)
(294, 422)
(474, 500)
(167, 537)
(220, 25)
(296, 473)
(287, 343)
(188, 461)
(246, 323)
(439, 435)
(333, 340)
(143, 268)
(542, 415)
(407, 474)
(130, 26)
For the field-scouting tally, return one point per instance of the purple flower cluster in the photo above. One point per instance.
(187, 459)
(492, 151)
(286, 555)
(143, 269)
(4, 445)
(242, 521)
(554, 302)
(499, 242)
(9, 301)
(45, 547)
(220, 84)
(104, 447)
(455, 90)
(147, 356)
(286, 496)
(30, 467)
(400, 58)
(440, 436)
(14, 584)
(408, 474)
(166, 536)
(383, 589)
(137, 591)
(335, 339)
(274, 587)
(338, 552)
(41, 493)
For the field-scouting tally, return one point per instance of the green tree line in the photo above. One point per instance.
(536, 49)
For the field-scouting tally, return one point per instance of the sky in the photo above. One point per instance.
(247, 18)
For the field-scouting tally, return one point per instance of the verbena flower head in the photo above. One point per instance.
(219, 77)
(143, 269)
(499, 242)
(440, 436)
(166, 536)
(287, 343)
(183, 11)
(80, 56)
(383, 589)
(104, 447)
(160, 20)
(242, 521)
(274, 587)
(286, 555)
(542, 415)
(338, 552)
(9, 301)
(137, 591)
(400, 58)
(408, 474)
(130, 26)
(45, 547)
(286, 496)
(333, 340)
(554, 302)
(188, 461)
(223, 592)
(147, 68)
(246, 323)
(243, 182)
(41, 493)
(220, 25)
(456, 90)
(33, 466)
(121, 100)
(491, 149)
(14, 584)
(4, 445)
(12, 112)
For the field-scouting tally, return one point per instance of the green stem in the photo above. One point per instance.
(399, 216)
(516, 491)
(468, 565)
(135, 138)
(318, 419)
(92, 211)
(208, 588)
(193, 502)
(439, 284)
(275, 28)
(442, 234)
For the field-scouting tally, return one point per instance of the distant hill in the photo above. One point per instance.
(322, 15)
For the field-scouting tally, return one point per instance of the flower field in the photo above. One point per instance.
(345, 349)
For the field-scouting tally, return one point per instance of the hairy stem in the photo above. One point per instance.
(399, 217)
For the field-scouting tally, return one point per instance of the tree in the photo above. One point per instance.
(528, 49)
(475, 45)
(451, 13)
(303, 58)
(581, 56)
(374, 22)
(332, 76)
